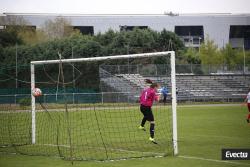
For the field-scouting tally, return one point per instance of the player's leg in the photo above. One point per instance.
(144, 119)
(164, 99)
(248, 117)
(152, 127)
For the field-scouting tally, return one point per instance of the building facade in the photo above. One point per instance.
(191, 28)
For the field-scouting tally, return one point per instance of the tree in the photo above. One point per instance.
(9, 38)
(229, 55)
(209, 53)
(32, 36)
(18, 31)
(58, 28)
(141, 40)
(120, 44)
(192, 56)
(10, 35)
(106, 38)
(241, 56)
(169, 41)
(15, 22)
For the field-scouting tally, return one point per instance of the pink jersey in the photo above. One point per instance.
(148, 96)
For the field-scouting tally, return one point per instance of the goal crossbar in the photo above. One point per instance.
(116, 57)
(141, 55)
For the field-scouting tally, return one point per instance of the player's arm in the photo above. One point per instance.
(156, 96)
(246, 98)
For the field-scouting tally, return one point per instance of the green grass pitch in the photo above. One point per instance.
(95, 133)
(202, 132)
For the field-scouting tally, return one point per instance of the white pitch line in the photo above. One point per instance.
(213, 160)
(207, 105)
(213, 136)
(101, 148)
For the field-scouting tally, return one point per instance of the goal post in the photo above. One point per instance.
(174, 102)
(107, 58)
(33, 105)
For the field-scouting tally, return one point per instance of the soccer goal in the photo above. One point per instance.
(90, 109)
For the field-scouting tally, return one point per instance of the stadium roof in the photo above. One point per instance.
(164, 14)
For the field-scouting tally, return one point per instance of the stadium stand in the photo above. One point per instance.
(212, 87)
(230, 87)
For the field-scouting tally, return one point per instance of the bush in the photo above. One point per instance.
(24, 102)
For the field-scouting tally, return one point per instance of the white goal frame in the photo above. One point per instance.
(142, 55)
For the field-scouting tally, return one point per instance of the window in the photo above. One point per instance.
(189, 31)
(192, 36)
(29, 27)
(242, 31)
(130, 28)
(239, 35)
(86, 30)
(2, 28)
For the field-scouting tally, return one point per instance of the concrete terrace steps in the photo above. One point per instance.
(217, 86)
(196, 87)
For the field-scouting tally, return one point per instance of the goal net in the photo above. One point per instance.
(89, 109)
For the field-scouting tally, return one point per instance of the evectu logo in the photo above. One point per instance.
(235, 154)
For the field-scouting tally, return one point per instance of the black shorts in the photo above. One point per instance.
(147, 112)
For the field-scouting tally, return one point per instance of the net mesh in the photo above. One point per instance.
(88, 111)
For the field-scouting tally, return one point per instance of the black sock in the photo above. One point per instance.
(152, 130)
(143, 121)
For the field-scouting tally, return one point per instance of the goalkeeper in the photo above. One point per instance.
(147, 97)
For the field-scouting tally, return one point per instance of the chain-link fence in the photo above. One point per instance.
(191, 69)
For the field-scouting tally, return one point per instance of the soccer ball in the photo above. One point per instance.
(36, 92)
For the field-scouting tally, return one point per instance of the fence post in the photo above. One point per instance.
(156, 72)
(15, 99)
(102, 97)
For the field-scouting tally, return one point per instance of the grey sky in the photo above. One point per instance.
(124, 6)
